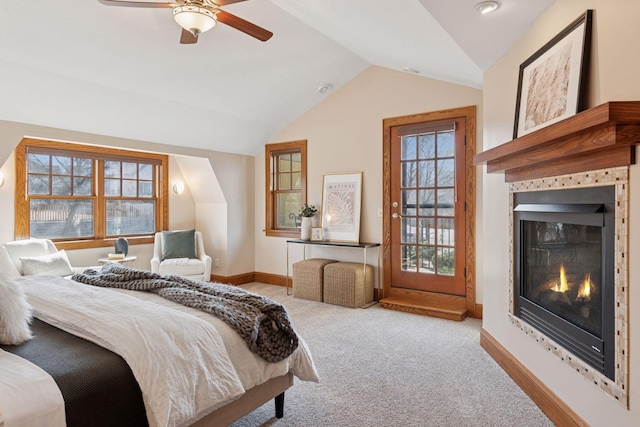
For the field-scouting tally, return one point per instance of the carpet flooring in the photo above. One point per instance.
(381, 367)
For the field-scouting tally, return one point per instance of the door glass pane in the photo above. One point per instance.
(446, 144)
(427, 145)
(408, 254)
(445, 261)
(446, 173)
(408, 202)
(409, 174)
(61, 219)
(426, 259)
(126, 217)
(427, 171)
(445, 202)
(409, 148)
(408, 230)
(446, 231)
(427, 231)
(426, 202)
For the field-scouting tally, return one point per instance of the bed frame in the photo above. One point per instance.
(248, 402)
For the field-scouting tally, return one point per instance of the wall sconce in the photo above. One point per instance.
(178, 187)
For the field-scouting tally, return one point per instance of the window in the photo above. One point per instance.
(84, 196)
(286, 186)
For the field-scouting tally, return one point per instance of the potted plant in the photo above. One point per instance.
(306, 213)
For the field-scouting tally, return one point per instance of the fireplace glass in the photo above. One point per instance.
(562, 271)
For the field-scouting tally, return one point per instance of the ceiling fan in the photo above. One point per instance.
(198, 16)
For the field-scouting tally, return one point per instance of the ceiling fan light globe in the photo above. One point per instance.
(194, 19)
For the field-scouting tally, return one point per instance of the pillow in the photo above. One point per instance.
(28, 248)
(15, 313)
(179, 244)
(56, 264)
(7, 266)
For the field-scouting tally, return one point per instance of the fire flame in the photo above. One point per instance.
(563, 286)
(584, 291)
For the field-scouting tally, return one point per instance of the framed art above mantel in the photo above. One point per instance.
(552, 82)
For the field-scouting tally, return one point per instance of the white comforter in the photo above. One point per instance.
(187, 363)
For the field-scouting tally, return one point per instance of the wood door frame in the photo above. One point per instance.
(469, 300)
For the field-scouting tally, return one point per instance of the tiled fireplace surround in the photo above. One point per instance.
(619, 177)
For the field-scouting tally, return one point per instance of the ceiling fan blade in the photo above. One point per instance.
(226, 2)
(187, 38)
(244, 26)
(138, 4)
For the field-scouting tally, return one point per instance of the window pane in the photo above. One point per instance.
(126, 217)
(82, 186)
(82, 167)
(61, 185)
(61, 219)
(112, 169)
(296, 162)
(112, 187)
(284, 181)
(129, 170)
(284, 163)
(129, 188)
(145, 171)
(145, 189)
(38, 184)
(297, 180)
(287, 203)
(61, 165)
(39, 163)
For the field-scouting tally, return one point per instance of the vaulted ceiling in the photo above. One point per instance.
(120, 71)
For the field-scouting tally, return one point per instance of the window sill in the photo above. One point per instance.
(101, 243)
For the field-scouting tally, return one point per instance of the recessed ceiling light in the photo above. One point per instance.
(486, 7)
(411, 70)
(325, 88)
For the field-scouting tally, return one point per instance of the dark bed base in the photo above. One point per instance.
(97, 385)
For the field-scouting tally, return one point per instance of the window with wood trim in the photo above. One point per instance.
(85, 196)
(286, 186)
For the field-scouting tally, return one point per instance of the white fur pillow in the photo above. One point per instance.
(15, 313)
(56, 264)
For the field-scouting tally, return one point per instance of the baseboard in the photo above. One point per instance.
(477, 312)
(238, 279)
(271, 279)
(557, 411)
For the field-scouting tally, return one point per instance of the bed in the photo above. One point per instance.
(163, 346)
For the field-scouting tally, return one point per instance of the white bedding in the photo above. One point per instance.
(163, 342)
(37, 404)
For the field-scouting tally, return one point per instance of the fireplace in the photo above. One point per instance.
(564, 269)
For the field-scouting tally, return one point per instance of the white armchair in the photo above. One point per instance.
(179, 260)
(35, 256)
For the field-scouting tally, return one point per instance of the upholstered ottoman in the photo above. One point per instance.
(345, 284)
(308, 278)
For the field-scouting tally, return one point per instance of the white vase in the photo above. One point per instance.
(305, 228)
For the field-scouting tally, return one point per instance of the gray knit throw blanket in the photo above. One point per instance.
(261, 322)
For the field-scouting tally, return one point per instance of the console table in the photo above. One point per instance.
(364, 246)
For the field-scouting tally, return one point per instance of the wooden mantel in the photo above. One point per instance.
(601, 137)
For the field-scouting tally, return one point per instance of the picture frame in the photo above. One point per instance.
(341, 204)
(316, 234)
(552, 82)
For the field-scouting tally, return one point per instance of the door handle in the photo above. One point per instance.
(396, 215)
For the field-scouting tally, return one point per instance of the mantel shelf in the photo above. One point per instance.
(601, 137)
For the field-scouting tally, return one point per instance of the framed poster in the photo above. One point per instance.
(341, 203)
(552, 82)
(316, 234)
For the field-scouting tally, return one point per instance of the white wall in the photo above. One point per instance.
(614, 77)
(344, 134)
(233, 241)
